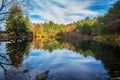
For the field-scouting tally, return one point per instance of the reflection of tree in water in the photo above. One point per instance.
(10, 61)
(68, 46)
(47, 45)
(11, 73)
(16, 50)
(108, 54)
(50, 45)
(36, 43)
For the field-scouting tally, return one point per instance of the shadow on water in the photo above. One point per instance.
(17, 51)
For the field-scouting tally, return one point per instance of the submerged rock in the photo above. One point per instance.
(25, 70)
(42, 76)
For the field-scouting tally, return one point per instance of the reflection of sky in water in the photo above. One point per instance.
(65, 65)
(3, 51)
(2, 47)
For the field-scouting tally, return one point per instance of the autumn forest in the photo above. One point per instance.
(57, 51)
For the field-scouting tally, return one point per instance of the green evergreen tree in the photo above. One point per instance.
(27, 22)
(15, 23)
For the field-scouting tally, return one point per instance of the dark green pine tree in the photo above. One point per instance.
(15, 23)
(27, 22)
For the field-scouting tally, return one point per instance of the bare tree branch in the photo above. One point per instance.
(5, 63)
(5, 5)
(9, 12)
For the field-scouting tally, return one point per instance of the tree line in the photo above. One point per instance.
(102, 28)
(109, 23)
(18, 25)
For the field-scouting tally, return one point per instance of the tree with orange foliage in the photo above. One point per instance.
(36, 29)
(69, 28)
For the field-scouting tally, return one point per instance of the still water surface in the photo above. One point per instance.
(52, 60)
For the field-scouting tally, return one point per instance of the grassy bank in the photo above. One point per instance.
(111, 39)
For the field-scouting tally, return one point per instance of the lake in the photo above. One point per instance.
(53, 60)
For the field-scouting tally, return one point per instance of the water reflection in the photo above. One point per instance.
(65, 65)
(21, 59)
(12, 58)
(16, 50)
(109, 55)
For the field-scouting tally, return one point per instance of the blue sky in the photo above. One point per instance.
(67, 11)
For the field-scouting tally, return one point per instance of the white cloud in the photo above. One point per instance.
(61, 11)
